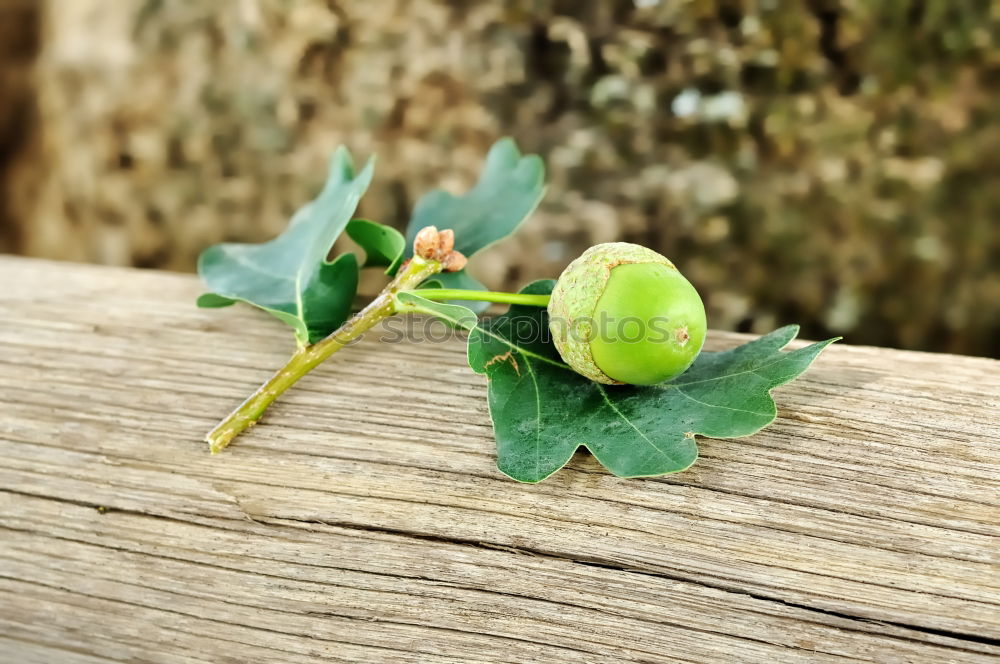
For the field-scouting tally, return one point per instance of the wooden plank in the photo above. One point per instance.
(361, 523)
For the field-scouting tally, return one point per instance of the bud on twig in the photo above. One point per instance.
(446, 242)
(425, 244)
(454, 261)
(433, 245)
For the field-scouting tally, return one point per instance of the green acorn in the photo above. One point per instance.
(622, 313)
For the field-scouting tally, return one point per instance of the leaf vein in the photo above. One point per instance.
(712, 405)
(611, 405)
(538, 418)
(733, 375)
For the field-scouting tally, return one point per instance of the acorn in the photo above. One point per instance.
(623, 314)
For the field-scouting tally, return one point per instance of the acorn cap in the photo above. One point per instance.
(575, 297)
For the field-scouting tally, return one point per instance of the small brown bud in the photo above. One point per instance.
(446, 242)
(454, 261)
(425, 244)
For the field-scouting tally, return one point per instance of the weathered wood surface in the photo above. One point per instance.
(362, 523)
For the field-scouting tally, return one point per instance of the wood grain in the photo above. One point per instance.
(359, 523)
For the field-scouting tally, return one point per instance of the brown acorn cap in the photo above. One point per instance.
(575, 296)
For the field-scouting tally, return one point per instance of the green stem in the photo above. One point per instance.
(439, 294)
(307, 358)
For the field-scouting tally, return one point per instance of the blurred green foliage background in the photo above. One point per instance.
(830, 163)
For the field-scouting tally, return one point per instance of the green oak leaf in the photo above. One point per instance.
(289, 277)
(383, 245)
(508, 190)
(213, 301)
(543, 411)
